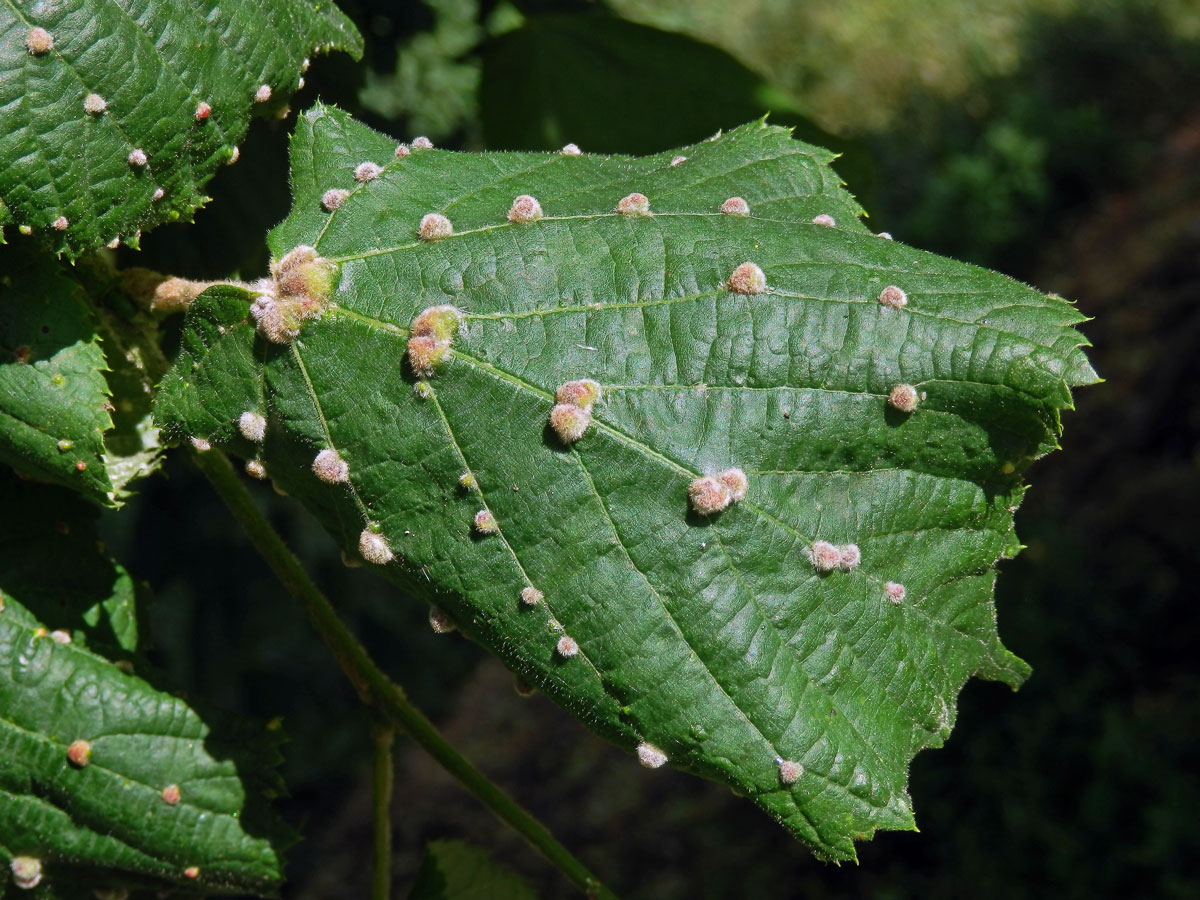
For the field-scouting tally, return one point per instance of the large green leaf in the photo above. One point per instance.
(74, 400)
(712, 639)
(152, 63)
(163, 789)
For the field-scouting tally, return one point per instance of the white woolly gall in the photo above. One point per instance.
(39, 41)
(524, 209)
(849, 556)
(300, 83)
(904, 397)
(434, 227)
(114, 243)
(891, 296)
(170, 794)
(201, 445)
(747, 279)
(467, 480)
(708, 495)
(273, 321)
(263, 94)
(440, 621)
(234, 156)
(402, 150)
(789, 772)
(60, 637)
(650, 756)
(373, 548)
(678, 159)
(824, 219)
(485, 522)
(350, 562)
(583, 393)
(895, 591)
(305, 64)
(26, 871)
(192, 872)
(367, 171)
(567, 646)
(252, 425)
(255, 469)
(737, 483)
(531, 596)
(25, 229)
(570, 150)
(634, 204)
(157, 195)
(569, 422)
(203, 111)
(422, 143)
(334, 198)
(423, 390)
(61, 223)
(79, 753)
(329, 466)
(433, 332)
(137, 157)
(885, 235)
(825, 557)
(735, 206)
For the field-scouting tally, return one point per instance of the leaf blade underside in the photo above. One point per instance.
(712, 639)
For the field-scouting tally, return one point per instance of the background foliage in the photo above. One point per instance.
(1059, 143)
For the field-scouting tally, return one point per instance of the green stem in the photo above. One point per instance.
(382, 780)
(375, 688)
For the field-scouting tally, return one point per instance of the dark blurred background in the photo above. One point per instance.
(1055, 140)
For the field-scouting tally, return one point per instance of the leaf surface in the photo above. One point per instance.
(456, 870)
(713, 638)
(74, 405)
(152, 63)
(108, 823)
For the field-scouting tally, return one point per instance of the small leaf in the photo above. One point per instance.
(762, 542)
(106, 780)
(103, 105)
(74, 398)
(456, 870)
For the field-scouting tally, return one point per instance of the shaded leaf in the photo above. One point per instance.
(711, 639)
(553, 81)
(150, 67)
(456, 870)
(74, 398)
(109, 822)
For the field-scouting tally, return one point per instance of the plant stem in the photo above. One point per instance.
(382, 781)
(374, 687)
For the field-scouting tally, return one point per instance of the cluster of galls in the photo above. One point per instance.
(433, 332)
(297, 291)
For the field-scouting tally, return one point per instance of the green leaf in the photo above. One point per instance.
(109, 823)
(456, 870)
(712, 639)
(74, 408)
(552, 80)
(152, 65)
(52, 562)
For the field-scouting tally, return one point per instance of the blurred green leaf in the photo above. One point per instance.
(455, 870)
(612, 86)
(712, 639)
